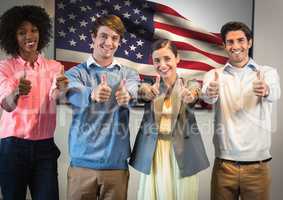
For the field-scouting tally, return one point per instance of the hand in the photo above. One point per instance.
(149, 92)
(122, 95)
(188, 95)
(213, 87)
(260, 88)
(24, 86)
(103, 92)
(61, 80)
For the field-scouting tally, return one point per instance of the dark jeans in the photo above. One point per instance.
(26, 163)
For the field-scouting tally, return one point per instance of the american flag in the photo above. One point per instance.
(145, 21)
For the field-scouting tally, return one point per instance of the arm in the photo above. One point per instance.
(78, 94)
(210, 88)
(272, 80)
(132, 84)
(11, 88)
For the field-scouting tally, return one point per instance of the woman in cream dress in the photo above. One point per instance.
(168, 149)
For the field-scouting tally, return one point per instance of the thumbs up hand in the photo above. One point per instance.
(102, 92)
(61, 80)
(149, 92)
(260, 88)
(24, 86)
(188, 95)
(122, 95)
(213, 87)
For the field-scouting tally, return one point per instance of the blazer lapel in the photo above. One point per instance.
(157, 108)
(176, 103)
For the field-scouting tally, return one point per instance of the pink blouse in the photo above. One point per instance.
(35, 115)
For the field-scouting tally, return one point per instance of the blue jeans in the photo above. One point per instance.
(26, 163)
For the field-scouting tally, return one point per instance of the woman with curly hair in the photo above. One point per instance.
(29, 87)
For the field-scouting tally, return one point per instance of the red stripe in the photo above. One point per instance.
(188, 33)
(193, 65)
(67, 64)
(165, 9)
(187, 47)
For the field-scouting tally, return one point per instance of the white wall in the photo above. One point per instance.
(267, 50)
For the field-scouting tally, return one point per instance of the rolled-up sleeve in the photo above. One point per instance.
(132, 82)
(78, 94)
(7, 80)
(271, 77)
(208, 77)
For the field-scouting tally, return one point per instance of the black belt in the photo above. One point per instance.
(244, 162)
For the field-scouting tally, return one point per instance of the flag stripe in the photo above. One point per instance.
(180, 22)
(201, 45)
(184, 46)
(188, 33)
(196, 56)
(165, 9)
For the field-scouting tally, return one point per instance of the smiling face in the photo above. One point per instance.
(237, 47)
(165, 62)
(27, 36)
(105, 44)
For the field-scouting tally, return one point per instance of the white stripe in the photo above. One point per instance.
(179, 22)
(71, 56)
(204, 46)
(144, 69)
(198, 57)
(79, 57)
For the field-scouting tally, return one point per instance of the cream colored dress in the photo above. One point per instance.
(164, 181)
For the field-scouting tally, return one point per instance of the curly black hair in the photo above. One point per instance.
(12, 19)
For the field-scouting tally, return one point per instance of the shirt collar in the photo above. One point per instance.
(251, 65)
(23, 62)
(92, 63)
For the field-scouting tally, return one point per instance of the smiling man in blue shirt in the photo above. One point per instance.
(100, 92)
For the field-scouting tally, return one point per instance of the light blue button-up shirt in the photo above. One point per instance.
(99, 132)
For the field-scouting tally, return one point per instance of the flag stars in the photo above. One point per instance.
(62, 34)
(133, 47)
(117, 7)
(72, 29)
(137, 22)
(126, 53)
(139, 55)
(137, 11)
(143, 18)
(104, 12)
(140, 43)
(98, 3)
(73, 43)
(107, 1)
(92, 18)
(133, 35)
(61, 20)
(82, 37)
(72, 16)
(61, 5)
(98, 15)
(145, 5)
(91, 46)
(73, 1)
(83, 23)
(127, 3)
(83, 9)
(124, 41)
(127, 15)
